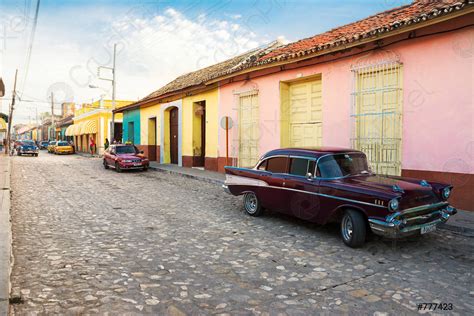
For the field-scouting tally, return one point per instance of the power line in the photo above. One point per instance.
(30, 47)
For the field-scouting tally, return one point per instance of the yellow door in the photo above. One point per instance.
(378, 118)
(248, 130)
(305, 121)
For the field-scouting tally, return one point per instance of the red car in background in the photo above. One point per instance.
(125, 157)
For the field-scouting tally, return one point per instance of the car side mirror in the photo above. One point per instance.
(309, 176)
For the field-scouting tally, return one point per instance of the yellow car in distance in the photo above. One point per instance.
(51, 146)
(63, 147)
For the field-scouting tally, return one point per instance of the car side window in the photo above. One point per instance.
(301, 166)
(263, 165)
(277, 164)
(298, 166)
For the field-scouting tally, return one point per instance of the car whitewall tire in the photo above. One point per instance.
(353, 228)
(252, 204)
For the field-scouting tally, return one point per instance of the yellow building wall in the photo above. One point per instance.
(191, 130)
(103, 119)
(145, 115)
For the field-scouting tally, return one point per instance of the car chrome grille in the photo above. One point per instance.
(421, 214)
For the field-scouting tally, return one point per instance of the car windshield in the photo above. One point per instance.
(28, 143)
(126, 150)
(343, 165)
(63, 144)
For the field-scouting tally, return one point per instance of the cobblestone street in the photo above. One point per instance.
(89, 240)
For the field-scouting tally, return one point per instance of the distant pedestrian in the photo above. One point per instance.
(92, 146)
(107, 144)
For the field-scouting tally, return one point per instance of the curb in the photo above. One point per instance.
(189, 176)
(6, 241)
(465, 231)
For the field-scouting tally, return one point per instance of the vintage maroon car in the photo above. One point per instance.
(332, 184)
(125, 157)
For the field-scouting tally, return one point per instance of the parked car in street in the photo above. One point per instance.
(125, 157)
(63, 147)
(336, 185)
(27, 147)
(43, 145)
(51, 146)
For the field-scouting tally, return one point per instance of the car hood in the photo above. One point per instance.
(128, 156)
(412, 193)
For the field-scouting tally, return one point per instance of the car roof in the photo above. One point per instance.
(313, 152)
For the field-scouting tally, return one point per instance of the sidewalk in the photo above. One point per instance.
(462, 222)
(5, 234)
(193, 173)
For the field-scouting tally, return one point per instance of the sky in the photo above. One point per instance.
(156, 42)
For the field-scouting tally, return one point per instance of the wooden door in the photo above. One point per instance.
(378, 117)
(174, 136)
(248, 130)
(152, 139)
(306, 114)
(203, 135)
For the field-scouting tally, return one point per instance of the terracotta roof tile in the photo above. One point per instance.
(382, 22)
(200, 76)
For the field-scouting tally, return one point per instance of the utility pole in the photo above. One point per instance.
(112, 128)
(53, 129)
(10, 115)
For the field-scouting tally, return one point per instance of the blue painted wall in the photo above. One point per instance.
(131, 116)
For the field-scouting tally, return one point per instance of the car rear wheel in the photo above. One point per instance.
(252, 205)
(353, 228)
(106, 166)
(117, 167)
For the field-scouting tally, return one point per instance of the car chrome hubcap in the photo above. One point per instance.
(347, 228)
(251, 203)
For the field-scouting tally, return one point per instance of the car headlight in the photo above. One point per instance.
(393, 204)
(446, 193)
(126, 161)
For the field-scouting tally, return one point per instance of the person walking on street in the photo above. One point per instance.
(106, 145)
(92, 146)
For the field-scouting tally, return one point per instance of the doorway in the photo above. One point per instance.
(131, 132)
(152, 139)
(117, 131)
(199, 134)
(174, 135)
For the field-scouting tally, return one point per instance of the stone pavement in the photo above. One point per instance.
(92, 241)
(5, 233)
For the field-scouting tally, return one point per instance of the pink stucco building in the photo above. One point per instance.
(397, 85)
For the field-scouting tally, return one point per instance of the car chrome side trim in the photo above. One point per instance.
(244, 181)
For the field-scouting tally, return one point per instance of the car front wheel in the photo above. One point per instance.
(106, 166)
(353, 228)
(252, 205)
(117, 167)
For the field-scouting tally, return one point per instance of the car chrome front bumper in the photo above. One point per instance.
(396, 225)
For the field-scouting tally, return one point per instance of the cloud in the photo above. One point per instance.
(153, 49)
